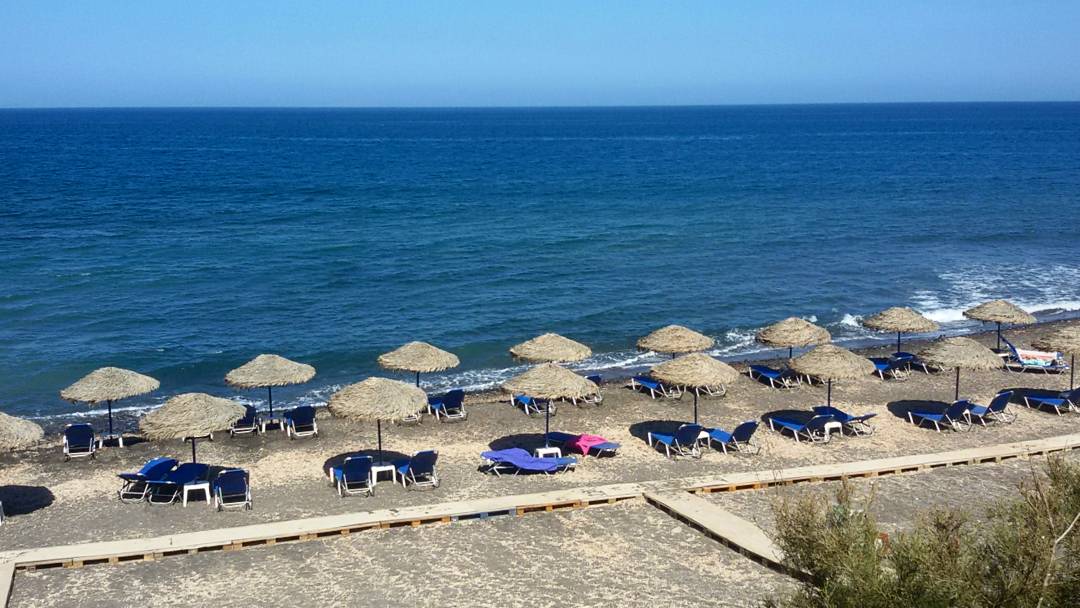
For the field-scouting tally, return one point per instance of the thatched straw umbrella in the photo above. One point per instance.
(550, 381)
(900, 319)
(960, 353)
(792, 333)
(16, 433)
(675, 340)
(190, 415)
(831, 362)
(999, 311)
(419, 357)
(551, 348)
(377, 399)
(1066, 340)
(109, 384)
(694, 370)
(269, 371)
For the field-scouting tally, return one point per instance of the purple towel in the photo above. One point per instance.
(526, 461)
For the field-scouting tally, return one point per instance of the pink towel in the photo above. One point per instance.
(584, 442)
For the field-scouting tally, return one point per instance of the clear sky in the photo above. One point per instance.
(506, 53)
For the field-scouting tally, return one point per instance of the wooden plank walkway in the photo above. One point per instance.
(721, 524)
(230, 539)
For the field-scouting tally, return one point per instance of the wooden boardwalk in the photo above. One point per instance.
(230, 539)
(719, 523)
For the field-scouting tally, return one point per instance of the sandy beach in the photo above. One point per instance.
(600, 556)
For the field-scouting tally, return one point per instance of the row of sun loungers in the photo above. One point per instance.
(688, 440)
(357, 474)
(161, 481)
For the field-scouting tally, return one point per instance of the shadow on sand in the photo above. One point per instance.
(21, 500)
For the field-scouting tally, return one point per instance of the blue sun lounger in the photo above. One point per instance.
(1065, 400)
(450, 406)
(643, 383)
(135, 484)
(1045, 362)
(609, 448)
(596, 399)
(533, 406)
(954, 417)
(911, 360)
(895, 368)
(231, 490)
(79, 441)
(300, 422)
(517, 460)
(856, 425)
(354, 476)
(997, 411)
(813, 430)
(419, 471)
(776, 378)
(166, 490)
(685, 441)
(248, 424)
(738, 440)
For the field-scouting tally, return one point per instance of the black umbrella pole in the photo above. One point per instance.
(270, 399)
(547, 424)
(828, 398)
(1072, 372)
(109, 405)
(695, 406)
(999, 335)
(898, 342)
(378, 425)
(957, 397)
(417, 379)
(193, 450)
(790, 351)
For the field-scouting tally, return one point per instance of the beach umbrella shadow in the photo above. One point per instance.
(800, 416)
(641, 430)
(21, 500)
(387, 455)
(901, 408)
(525, 441)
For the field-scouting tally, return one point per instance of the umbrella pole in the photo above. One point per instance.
(695, 406)
(378, 425)
(547, 424)
(828, 399)
(418, 379)
(109, 405)
(270, 399)
(1072, 372)
(790, 351)
(957, 397)
(193, 449)
(897, 342)
(999, 335)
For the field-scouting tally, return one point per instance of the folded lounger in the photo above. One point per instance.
(776, 378)
(596, 399)
(895, 368)
(642, 383)
(231, 490)
(997, 411)
(79, 441)
(856, 425)
(813, 430)
(354, 476)
(166, 490)
(419, 471)
(955, 417)
(532, 405)
(738, 440)
(135, 485)
(1065, 400)
(685, 441)
(248, 424)
(1021, 360)
(517, 460)
(450, 406)
(301, 422)
(584, 443)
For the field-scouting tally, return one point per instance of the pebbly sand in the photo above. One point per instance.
(52, 502)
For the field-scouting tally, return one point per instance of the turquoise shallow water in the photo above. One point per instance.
(183, 242)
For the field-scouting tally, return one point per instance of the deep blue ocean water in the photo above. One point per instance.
(181, 243)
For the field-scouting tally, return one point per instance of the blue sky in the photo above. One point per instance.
(478, 53)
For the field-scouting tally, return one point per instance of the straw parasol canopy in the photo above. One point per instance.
(961, 353)
(1066, 340)
(675, 340)
(902, 320)
(550, 381)
(269, 371)
(831, 362)
(793, 332)
(1000, 311)
(694, 370)
(109, 384)
(377, 399)
(419, 357)
(190, 415)
(16, 433)
(549, 348)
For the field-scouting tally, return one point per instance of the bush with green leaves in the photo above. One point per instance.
(1024, 554)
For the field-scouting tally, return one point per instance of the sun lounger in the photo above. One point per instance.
(419, 471)
(1021, 360)
(685, 442)
(642, 383)
(79, 441)
(776, 378)
(166, 490)
(517, 460)
(248, 424)
(911, 361)
(136, 485)
(954, 417)
(738, 440)
(997, 411)
(300, 422)
(354, 476)
(856, 425)
(813, 430)
(584, 443)
(231, 490)
(450, 406)
(895, 368)
(597, 398)
(1065, 400)
(532, 405)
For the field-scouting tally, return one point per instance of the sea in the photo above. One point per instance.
(183, 242)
